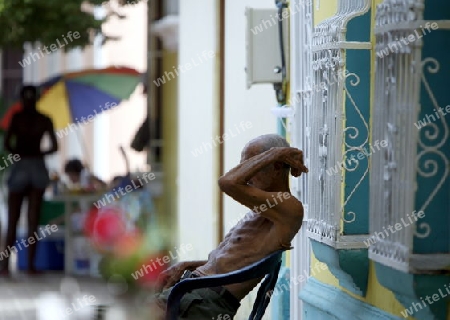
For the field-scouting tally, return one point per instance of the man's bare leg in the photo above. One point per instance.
(35, 198)
(15, 200)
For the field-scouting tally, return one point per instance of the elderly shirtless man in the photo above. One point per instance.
(261, 176)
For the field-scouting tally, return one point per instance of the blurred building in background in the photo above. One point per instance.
(97, 143)
(350, 83)
(11, 74)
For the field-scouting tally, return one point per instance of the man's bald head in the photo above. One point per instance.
(262, 144)
(266, 142)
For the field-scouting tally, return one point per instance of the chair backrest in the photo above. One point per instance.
(265, 293)
(267, 268)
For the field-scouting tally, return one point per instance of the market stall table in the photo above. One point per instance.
(83, 201)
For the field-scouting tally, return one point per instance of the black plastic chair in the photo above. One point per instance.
(268, 267)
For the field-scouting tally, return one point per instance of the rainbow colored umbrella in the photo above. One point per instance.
(76, 96)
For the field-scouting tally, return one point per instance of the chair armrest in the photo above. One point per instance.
(256, 270)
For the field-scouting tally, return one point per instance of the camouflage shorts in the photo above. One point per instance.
(201, 304)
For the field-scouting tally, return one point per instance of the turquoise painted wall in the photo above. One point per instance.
(358, 62)
(325, 302)
(437, 214)
(387, 288)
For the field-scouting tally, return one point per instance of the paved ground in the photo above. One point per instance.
(53, 296)
(56, 297)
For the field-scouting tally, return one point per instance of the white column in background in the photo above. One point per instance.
(29, 69)
(75, 139)
(54, 68)
(101, 162)
(197, 180)
(301, 70)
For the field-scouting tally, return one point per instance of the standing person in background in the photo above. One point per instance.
(28, 177)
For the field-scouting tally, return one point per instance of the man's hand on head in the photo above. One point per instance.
(293, 157)
(246, 182)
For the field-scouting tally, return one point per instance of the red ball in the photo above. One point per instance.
(105, 226)
(128, 244)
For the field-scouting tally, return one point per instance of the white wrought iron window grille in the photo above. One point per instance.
(402, 76)
(328, 90)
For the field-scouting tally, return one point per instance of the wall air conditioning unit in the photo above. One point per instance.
(263, 46)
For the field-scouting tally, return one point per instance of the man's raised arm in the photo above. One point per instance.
(235, 182)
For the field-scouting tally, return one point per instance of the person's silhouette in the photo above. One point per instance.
(29, 176)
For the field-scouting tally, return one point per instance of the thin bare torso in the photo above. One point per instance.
(252, 239)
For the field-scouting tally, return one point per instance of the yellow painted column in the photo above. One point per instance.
(167, 206)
